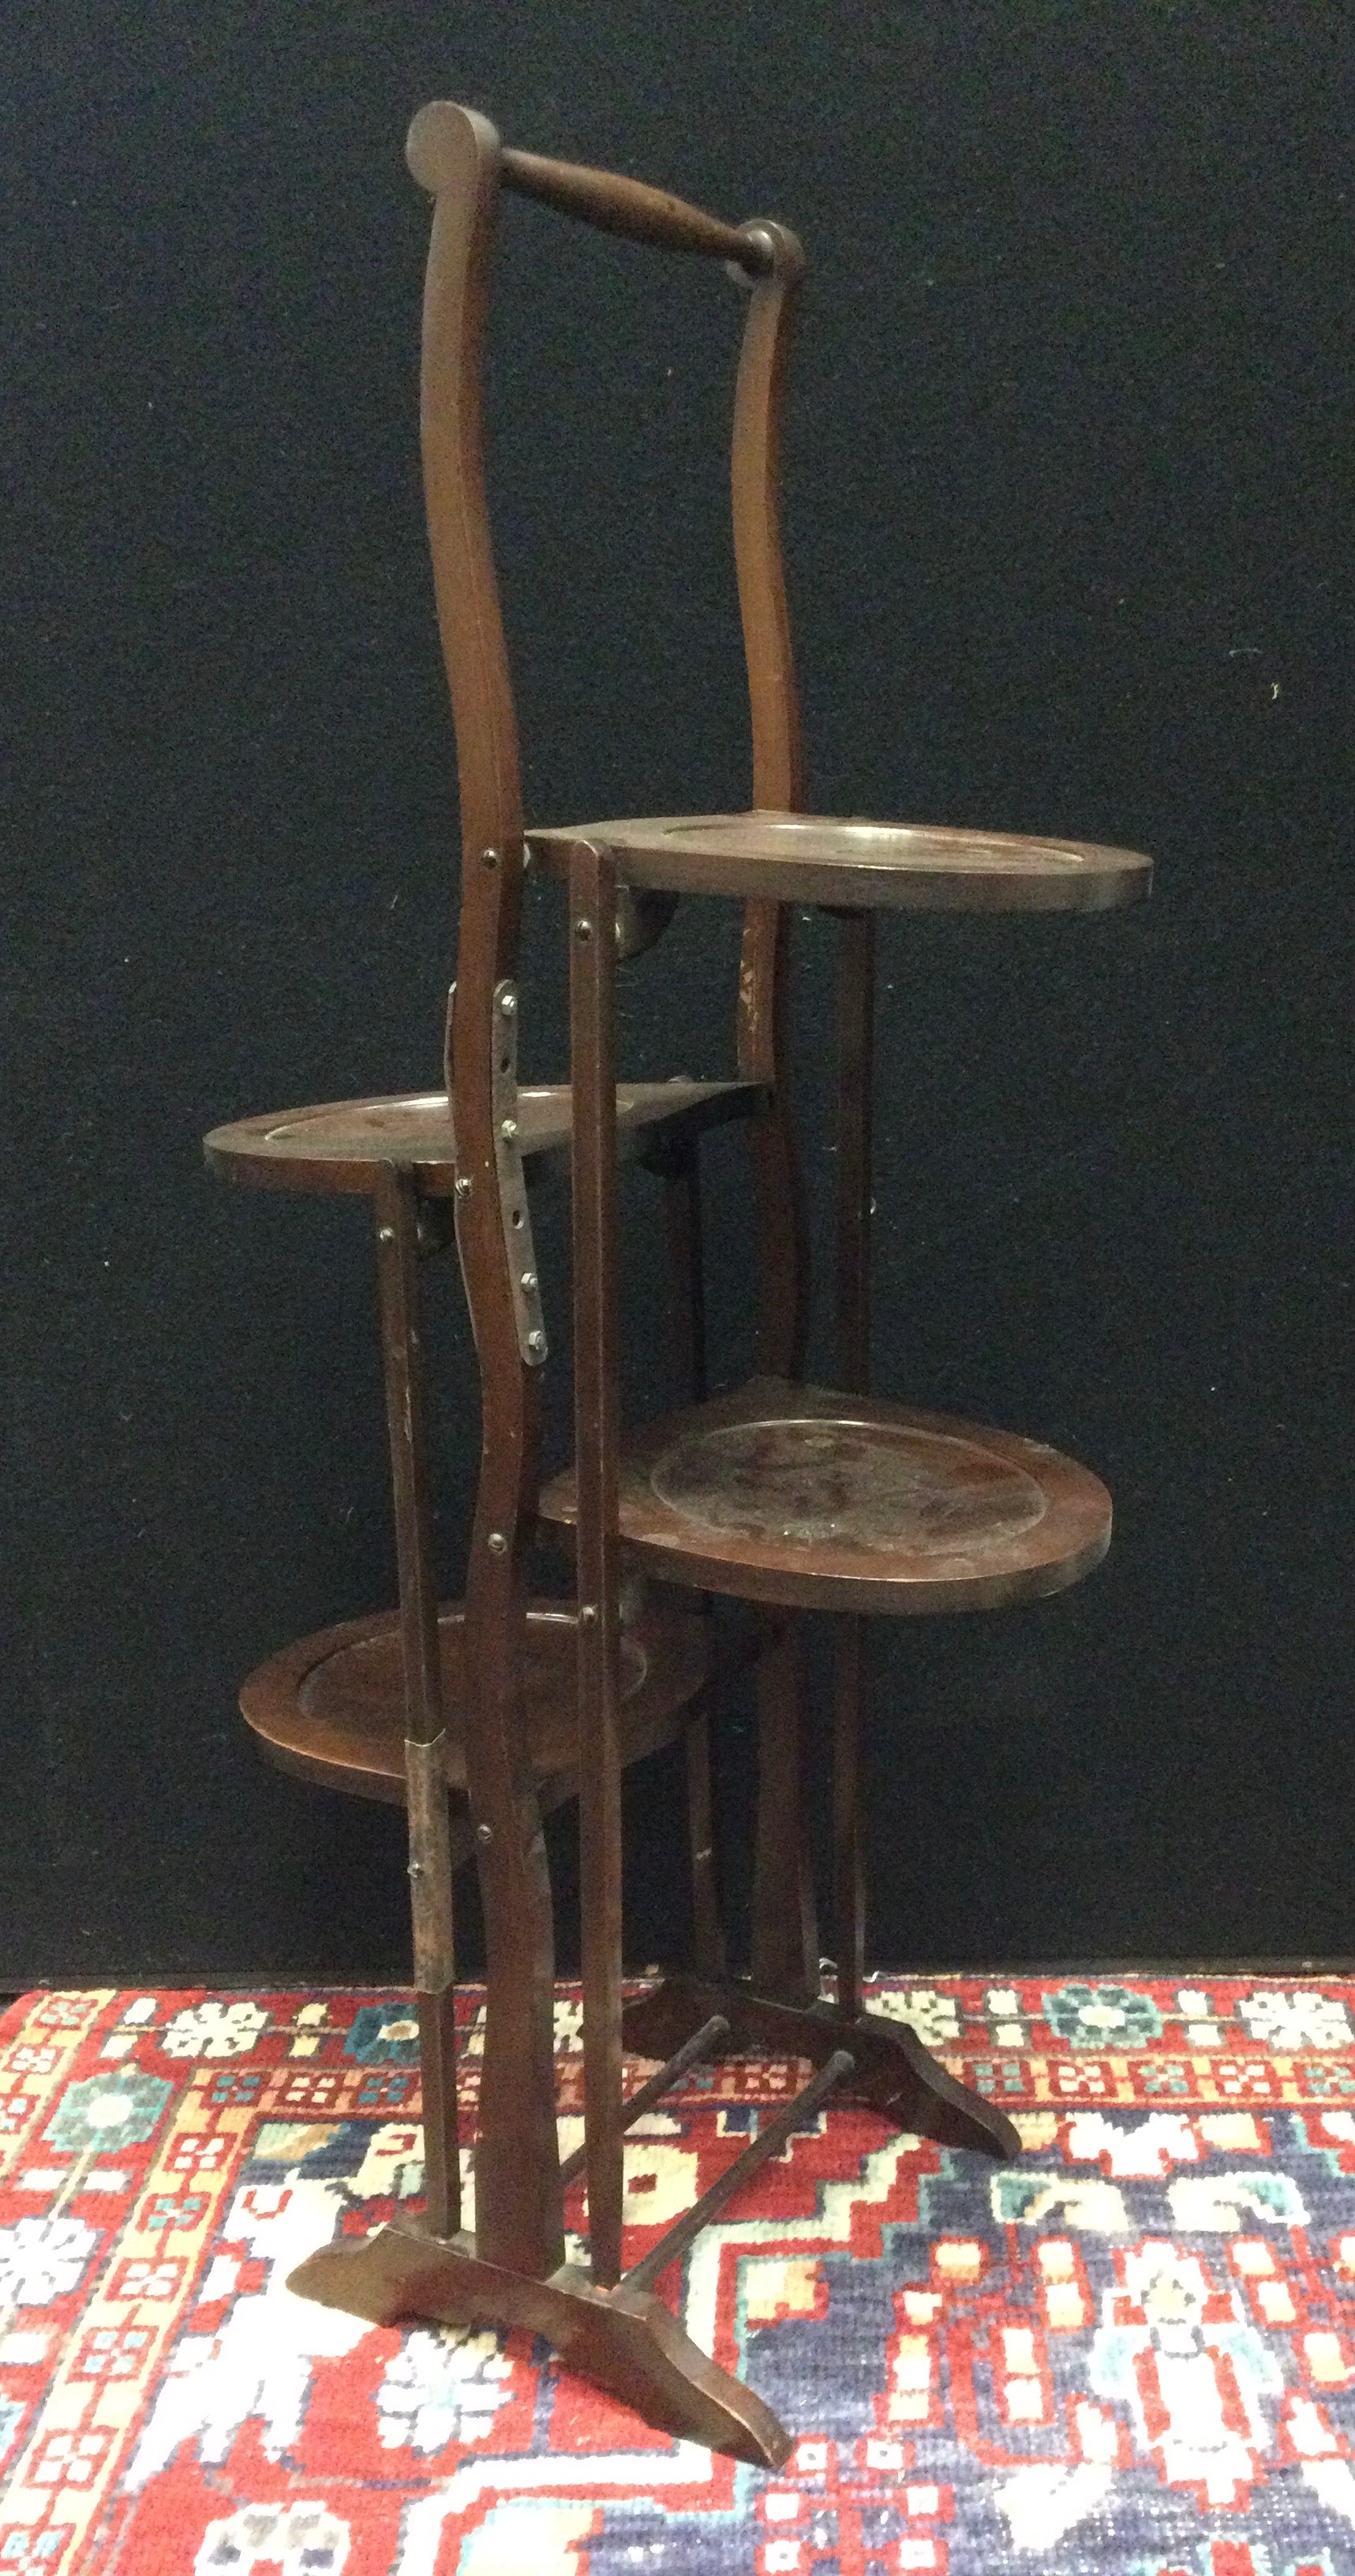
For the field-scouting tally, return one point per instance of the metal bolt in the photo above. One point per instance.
(509, 1129)
(587, 1614)
(416, 1869)
(528, 1281)
(463, 1185)
(489, 858)
(497, 1543)
(385, 1234)
(484, 1834)
(508, 1003)
(583, 929)
(536, 1341)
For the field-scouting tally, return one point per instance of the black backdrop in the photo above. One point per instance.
(1068, 500)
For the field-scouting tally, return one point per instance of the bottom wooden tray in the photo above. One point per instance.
(331, 1707)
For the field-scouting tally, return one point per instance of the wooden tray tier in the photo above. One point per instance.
(857, 866)
(795, 1495)
(342, 1144)
(331, 1708)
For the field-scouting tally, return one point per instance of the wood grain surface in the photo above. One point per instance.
(859, 865)
(792, 1494)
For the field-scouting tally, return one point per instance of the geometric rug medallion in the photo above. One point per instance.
(1130, 2354)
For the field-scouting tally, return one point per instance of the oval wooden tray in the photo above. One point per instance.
(331, 1707)
(796, 1495)
(343, 1144)
(858, 865)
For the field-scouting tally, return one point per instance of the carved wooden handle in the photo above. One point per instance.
(627, 206)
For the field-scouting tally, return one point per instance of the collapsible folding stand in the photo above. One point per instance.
(786, 1496)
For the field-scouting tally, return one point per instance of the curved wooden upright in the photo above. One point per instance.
(778, 780)
(455, 155)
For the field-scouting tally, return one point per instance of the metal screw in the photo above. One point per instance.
(484, 1834)
(583, 929)
(587, 1614)
(416, 1869)
(508, 1003)
(536, 1341)
(489, 858)
(528, 1281)
(509, 1129)
(497, 1543)
(463, 1185)
(385, 1234)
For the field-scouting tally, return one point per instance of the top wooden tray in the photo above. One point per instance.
(857, 865)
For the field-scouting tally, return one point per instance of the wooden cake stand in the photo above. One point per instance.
(788, 1497)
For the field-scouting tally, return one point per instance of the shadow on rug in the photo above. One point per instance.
(1133, 2352)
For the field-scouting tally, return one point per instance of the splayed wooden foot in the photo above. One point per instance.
(892, 2071)
(623, 2340)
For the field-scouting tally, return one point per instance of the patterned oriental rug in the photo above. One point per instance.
(1134, 2351)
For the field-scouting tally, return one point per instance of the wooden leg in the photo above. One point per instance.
(623, 2340)
(785, 1946)
(682, 1215)
(597, 1449)
(781, 1233)
(430, 1865)
(682, 1210)
(519, 2217)
(437, 2073)
(519, 2211)
(707, 1926)
(856, 1042)
(849, 1897)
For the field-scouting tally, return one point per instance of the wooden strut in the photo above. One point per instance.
(785, 1940)
(856, 1040)
(597, 1447)
(679, 1167)
(704, 2042)
(430, 1858)
(767, 2143)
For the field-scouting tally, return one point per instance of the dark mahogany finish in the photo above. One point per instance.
(344, 1144)
(812, 1500)
(786, 1496)
(331, 1707)
(624, 2340)
(895, 867)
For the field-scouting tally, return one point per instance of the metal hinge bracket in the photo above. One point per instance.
(512, 1180)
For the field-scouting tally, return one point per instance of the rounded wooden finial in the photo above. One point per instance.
(441, 139)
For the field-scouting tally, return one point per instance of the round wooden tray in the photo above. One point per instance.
(858, 865)
(342, 1144)
(331, 1707)
(795, 1495)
